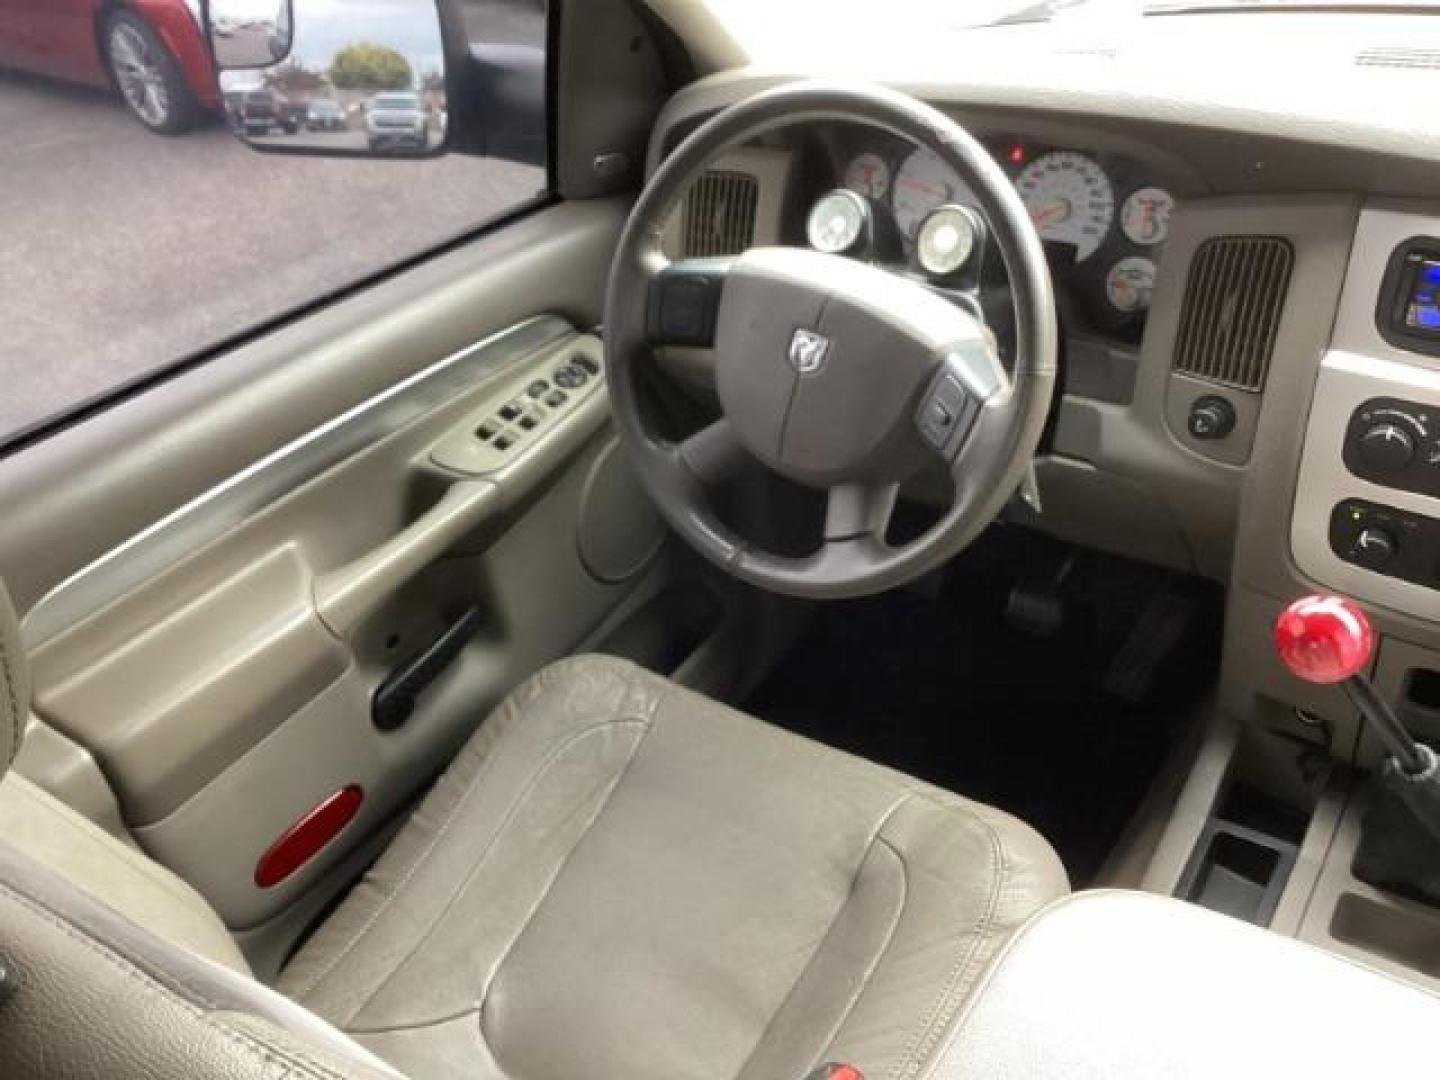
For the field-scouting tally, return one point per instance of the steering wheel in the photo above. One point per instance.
(832, 372)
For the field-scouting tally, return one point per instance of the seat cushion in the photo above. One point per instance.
(618, 877)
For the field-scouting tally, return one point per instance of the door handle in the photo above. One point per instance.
(394, 699)
(346, 596)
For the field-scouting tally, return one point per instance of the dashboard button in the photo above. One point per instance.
(1211, 417)
(1387, 447)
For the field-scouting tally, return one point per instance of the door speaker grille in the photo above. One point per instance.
(1233, 302)
(720, 214)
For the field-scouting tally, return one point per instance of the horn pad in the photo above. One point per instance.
(822, 361)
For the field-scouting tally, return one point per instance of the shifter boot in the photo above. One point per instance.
(1397, 852)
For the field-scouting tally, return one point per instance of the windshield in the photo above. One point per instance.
(767, 29)
(397, 101)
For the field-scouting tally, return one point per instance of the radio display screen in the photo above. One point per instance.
(1422, 305)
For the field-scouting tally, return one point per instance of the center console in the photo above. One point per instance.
(1184, 993)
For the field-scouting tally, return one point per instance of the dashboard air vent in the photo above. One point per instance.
(1233, 303)
(1398, 56)
(720, 214)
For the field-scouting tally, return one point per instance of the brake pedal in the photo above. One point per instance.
(1037, 608)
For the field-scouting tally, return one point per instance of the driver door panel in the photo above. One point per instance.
(210, 624)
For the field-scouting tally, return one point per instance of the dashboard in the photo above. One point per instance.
(1256, 399)
(1103, 219)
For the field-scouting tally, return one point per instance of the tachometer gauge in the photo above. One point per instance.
(1145, 215)
(837, 222)
(924, 183)
(1129, 284)
(946, 240)
(868, 175)
(1069, 198)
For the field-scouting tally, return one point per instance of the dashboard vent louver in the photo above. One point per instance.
(1232, 308)
(720, 214)
(1398, 56)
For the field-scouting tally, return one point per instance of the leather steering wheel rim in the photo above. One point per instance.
(995, 457)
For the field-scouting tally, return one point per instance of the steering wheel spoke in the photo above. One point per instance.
(713, 454)
(690, 366)
(854, 510)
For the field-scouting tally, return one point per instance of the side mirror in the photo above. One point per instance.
(250, 33)
(356, 77)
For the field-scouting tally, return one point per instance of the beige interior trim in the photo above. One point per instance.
(345, 597)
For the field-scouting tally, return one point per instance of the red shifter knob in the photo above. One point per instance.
(1324, 639)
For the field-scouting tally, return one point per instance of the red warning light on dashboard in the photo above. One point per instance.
(1017, 154)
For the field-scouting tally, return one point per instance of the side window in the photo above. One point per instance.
(139, 231)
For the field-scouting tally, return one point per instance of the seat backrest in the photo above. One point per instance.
(86, 991)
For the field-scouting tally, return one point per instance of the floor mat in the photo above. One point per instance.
(936, 684)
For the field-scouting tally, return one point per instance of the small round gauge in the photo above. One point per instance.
(1145, 215)
(868, 175)
(946, 240)
(924, 183)
(837, 222)
(1129, 284)
(1069, 198)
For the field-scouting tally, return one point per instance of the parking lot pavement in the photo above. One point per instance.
(122, 251)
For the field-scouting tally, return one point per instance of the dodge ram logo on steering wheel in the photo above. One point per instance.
(808, 351)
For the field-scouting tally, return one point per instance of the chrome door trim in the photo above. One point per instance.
(214, 512)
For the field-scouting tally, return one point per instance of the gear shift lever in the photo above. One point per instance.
(1327, 640)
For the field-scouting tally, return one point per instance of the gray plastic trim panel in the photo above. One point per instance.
(1362, 365)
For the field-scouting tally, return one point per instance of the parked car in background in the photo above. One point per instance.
(325, 114)
(149, 51)
(262, 113)
(396, 121)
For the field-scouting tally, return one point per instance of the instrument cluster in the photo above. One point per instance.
(1102, 220)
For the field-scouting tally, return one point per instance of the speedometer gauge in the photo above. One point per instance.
(868, 175)
(1070, 200)
(924, 183)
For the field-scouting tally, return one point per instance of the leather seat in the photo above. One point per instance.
(616, 877)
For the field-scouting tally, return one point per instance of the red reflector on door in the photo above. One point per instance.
(307, 836)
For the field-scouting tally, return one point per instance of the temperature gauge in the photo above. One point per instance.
(1129, 284)
(837, 222)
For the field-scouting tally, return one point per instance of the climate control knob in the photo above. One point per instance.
(1387, 447)
(1373, 547)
